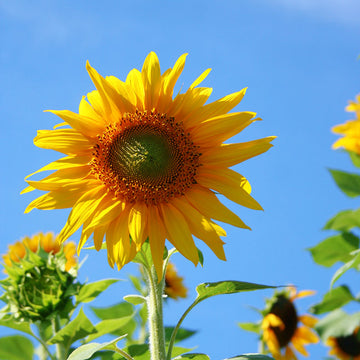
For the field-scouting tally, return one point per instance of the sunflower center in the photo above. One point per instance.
(146, 157)
(285, 310)
(349, 344)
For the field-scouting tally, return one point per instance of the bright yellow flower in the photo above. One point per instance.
(350, 130)
(141, 164)
(345, 347)
(174, 287)
(281, 330)
(47, 241)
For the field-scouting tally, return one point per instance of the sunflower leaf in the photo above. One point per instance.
(355, 158)
(337, 323)
(250, 327)
(192, 356)
(134, 299)
(90, 291)
(251, 357)
(10, 322)
(113, 312)
(344, 221)
(335, 248)
(347, 182)
(354, 263)
(16, 347)
(182, 333)
(333, 299)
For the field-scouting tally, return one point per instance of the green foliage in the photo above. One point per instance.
(335, 248)
(135, 299)
(347, 182)
(353, 263)
(256, 328)
(251, 357)
(89, 292)
(344, 221)
(85, 352)
(113, 312)
(337, 323)
(193, 356)
(16, 347)
(9, 321)
(333, 299)
(182, 334)
(355, 158)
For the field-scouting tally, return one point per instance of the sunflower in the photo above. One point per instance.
(345, 347)
(281, 330)
(174, 287)
(350, 130)
(46, 242)
(141, 164)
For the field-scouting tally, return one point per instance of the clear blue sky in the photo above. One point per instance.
(299, 60)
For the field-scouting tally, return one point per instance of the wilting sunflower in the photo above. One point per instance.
(141, 164)
(281, 327)
(350, 130)
(174, 287)
(345, 347)
(46, 242)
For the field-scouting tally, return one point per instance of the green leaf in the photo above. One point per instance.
(335, 248)
(134, 299)
(355, 158)
(207, 290)
(182, 333)
(251, 357)
(136, 282)
(76, 329)
(347, 182)
(337, 323)
(90, 291)
(84, 352)
(10, 322)
(201, 257)
(178, 350)
(110, 326)
(352, 264)
(344, 221)
(16, 347)
(333, 299)
(256, 328)
(193, 356)
(136, 350)
(113, 312)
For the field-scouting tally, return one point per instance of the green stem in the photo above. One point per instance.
(155, 314)
(262, 347)
(123, 353)
(61, 352)
(44, 352)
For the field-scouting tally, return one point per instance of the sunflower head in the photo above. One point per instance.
(141, 164)
(281, 325)
(41, 277)
(345, 347)
(350, 130)
(174, 286)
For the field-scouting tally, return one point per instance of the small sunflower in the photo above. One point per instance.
(345, 347)
(141, 164)
(350, 130)
(47, 242)
(281, 330)
(174, 287)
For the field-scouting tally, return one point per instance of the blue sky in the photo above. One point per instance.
(299, 61)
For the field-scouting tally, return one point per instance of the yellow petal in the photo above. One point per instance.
(305, 334)
(137, 223)
(289, 354)
(99, 234)
(134, 80)
(152, 80)
(271, 320)
(178, 232)
(208, 204)
(200, 79)
(229, 183)
(308, 320)
(201, 227)
(87, 110)
(304, 293)
(299, 346)
(124, 90)
(228, 155)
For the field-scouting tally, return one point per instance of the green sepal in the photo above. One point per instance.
(253, 327)
(85, 352)
(9, 321)
(182, 333)
(347, 182)
(344, 221)
(136, 283)
(75, 330)
(251, 357)
(207, 290)
(355, 158)
(201, 257)
(333, 299)
(91, 291)
(335, 248)
(354, 263)
(134, 299)
(337, 323)
(16, 347)
(193, 356)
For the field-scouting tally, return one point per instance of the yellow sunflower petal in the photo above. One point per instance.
(306, 335)
(152, 80)
(200, 79)
(229, 183)
(308, 320)
(136, 224)
(208, 204)
(304, 293)
(299, 346)
(271, 320)
(289, 354)
(134, 80)
(178, 233)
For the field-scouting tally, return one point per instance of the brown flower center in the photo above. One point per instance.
(349, 344)
(146, 157)
(285, 310)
